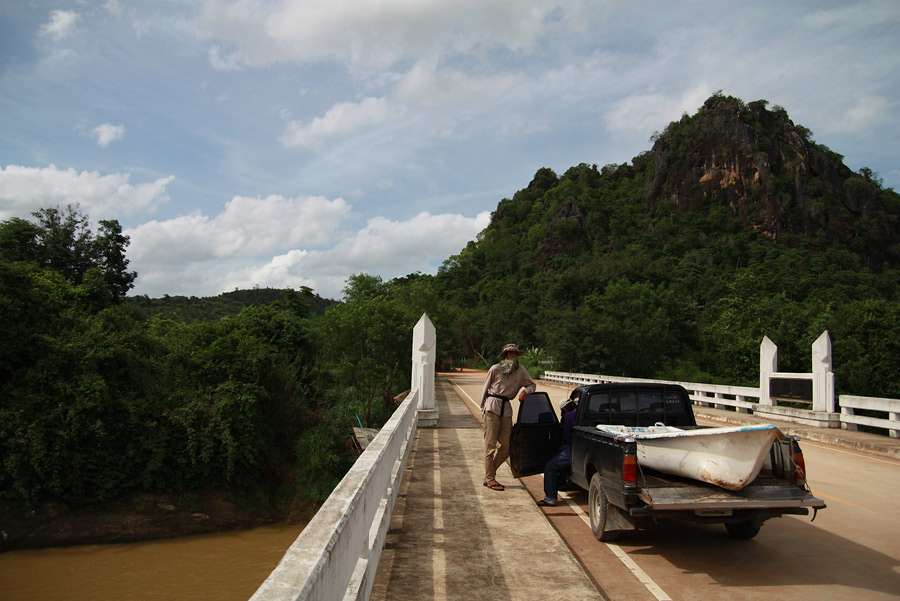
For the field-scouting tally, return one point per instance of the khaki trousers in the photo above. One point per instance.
(496, 431)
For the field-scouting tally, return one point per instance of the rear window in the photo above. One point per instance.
(634, 406)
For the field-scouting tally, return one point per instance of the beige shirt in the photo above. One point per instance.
(507, 385)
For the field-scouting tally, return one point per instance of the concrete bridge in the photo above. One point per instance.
(412, 521)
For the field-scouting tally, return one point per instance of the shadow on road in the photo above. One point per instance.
(788, 551)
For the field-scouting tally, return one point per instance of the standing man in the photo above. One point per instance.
(504, 381)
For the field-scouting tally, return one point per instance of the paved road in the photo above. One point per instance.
(851, 551)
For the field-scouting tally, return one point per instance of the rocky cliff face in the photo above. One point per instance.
(767, 170)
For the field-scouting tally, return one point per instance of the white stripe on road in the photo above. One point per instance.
(466, 394)
(635, 569)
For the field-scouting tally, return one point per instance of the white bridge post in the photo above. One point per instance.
(823, 376)
(423, 358)
(816, 388)
(768, 365)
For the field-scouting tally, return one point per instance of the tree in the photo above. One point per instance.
(109, 252)
(366, 342)
(18, 240)
(362, 286)
(64, 242)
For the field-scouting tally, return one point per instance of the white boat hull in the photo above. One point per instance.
(727, 457)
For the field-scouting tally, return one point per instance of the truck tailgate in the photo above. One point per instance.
(663, 493)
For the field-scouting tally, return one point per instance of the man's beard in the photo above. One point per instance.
(509, 365)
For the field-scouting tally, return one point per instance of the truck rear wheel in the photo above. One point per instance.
(744, 530)
(598, 508)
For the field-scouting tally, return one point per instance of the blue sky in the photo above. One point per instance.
(289, 143)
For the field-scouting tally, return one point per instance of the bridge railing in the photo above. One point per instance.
(889, 407)
(745, 399)
(336, 555)
(708, 395)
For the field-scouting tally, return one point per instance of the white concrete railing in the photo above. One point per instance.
(336, 555)
(850, 421)
(737, 397)
(708, 395)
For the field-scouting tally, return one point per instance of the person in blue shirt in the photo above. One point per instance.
(557, 468)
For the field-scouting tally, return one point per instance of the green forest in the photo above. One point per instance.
(735, 225)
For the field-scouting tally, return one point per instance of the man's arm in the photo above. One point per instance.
(488, 381)
(530, 384)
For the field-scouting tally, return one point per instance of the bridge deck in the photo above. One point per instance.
(452, 538)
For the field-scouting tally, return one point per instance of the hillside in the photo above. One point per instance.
(734, 225)
(227, 304)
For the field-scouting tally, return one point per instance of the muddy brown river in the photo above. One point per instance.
(209, 567)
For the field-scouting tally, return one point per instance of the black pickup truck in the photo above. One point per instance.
(625, 495)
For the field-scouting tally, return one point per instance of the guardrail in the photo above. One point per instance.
(707, 395)
(336, 555)
(850, 421)
(739, 398)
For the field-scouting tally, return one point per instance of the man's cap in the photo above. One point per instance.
(510, 348)
(567, 403)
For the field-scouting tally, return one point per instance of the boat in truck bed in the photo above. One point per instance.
(728, 457)
(624, 493)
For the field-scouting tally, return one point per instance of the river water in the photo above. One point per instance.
(209, 567)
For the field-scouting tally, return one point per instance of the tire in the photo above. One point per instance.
(743, 530)
(598, 509)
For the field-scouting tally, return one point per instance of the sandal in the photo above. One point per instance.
(544, 503)
(493, 485)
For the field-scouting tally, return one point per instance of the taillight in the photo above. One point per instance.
(799, 466)
(629, 470)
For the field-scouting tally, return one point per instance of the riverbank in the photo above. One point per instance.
(138, 518)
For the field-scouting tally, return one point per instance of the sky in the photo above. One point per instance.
(288, 143)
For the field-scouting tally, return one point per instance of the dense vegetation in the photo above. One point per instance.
(736, 225)
(227, 304)
(100, 400)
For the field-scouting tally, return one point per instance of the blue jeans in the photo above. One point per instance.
(555, 472)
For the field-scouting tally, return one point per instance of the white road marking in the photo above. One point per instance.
(629, 563)
(466, 394)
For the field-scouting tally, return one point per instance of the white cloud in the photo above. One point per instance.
(384, 247)
(371, 33)
(248, 227)
(195, 254)
(24, 190)
(644, 112)
(341, 119)
(859, 115)
(60, 23)
(407, 245)
(113, 8)
(107, 133)
(223, 63)
(426, 85)
(209, 256)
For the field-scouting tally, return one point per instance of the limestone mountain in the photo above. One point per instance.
(738, 163)
(765, 169)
